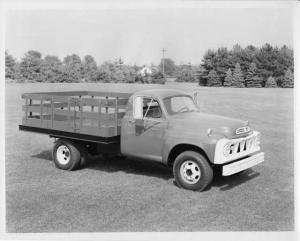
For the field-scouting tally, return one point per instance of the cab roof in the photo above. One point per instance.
(161, 93)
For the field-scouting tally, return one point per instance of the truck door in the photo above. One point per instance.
(144, 134)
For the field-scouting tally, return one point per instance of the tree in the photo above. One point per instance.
(158, 77)
(269, 61)
(129, 73)
(252, 80)
(288, 80)
(117, 76)
(265, 61)
(213, 79)
(208, 63)
(112, 72)
(202, 76)
(89, 67)
(228, 79)
(186, 73)
(271, 83)
(10, 66)
(51, 69)
(72, 69)
(169, 66)
(237, 79)
(223, 62)
(30, 66)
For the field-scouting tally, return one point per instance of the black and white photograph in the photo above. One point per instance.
(142, 120)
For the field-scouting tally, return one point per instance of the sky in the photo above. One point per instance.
(139, 35)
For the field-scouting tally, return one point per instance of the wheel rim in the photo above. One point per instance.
(63, 155)
(190, 172)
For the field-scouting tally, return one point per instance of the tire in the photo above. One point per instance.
(84, 156)
(192, 171)
(66, 155)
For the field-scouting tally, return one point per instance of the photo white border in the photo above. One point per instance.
(6, 5)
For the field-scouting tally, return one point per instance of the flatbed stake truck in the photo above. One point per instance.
(165, 126)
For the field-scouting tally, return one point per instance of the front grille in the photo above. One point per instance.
(241, 146)
(232, 149)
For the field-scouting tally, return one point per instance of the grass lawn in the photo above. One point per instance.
(131, 195)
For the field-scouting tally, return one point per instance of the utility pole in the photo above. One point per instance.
(163, 61)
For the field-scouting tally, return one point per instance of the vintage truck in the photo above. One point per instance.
(161, 125)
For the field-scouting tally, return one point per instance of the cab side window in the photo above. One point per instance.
(145, 107)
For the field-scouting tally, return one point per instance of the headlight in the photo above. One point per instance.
(257, 140)
(227, 149)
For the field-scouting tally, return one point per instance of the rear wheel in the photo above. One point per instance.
(192, 171)
(67, 155)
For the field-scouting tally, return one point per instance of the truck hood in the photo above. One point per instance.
(195, 122)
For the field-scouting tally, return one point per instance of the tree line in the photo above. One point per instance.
(266, 66)
(34, 68)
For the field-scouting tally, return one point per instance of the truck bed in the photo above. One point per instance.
(81, 114)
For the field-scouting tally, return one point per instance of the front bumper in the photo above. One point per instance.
(243, 164)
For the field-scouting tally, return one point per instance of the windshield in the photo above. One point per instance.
(179, 104)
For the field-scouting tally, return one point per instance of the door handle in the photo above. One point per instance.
(131, 121)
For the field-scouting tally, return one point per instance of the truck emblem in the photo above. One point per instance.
(242, 130)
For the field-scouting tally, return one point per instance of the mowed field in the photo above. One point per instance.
(133, 195)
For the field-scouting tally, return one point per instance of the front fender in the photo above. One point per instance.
(205, 143)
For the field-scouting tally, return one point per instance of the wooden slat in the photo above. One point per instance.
(61, 125)
(116, 116)
(60, 99)
(52, 111)
(122, 102)
(34, 122)
(99, 114)
(91, 115)
(122, 107)
(64, 93)
(35, 108)
(93, 102)
(90, 130)
(81, 114)
(93, 105)
(110, 94)
(56, 105)
(32, 96)
(30, 103)
(106, 131)
(41, 111)
(64, 112)
(111, 116)
(105, 103)
(38, 95)
(69, 110)
(26, 108)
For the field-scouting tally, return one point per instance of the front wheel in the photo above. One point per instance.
(192, 171)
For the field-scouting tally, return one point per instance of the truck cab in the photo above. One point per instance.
(168, 127)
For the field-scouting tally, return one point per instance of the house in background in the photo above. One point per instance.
(145, 71)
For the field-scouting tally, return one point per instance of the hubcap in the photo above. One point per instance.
(190, 172)
(63, 154)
